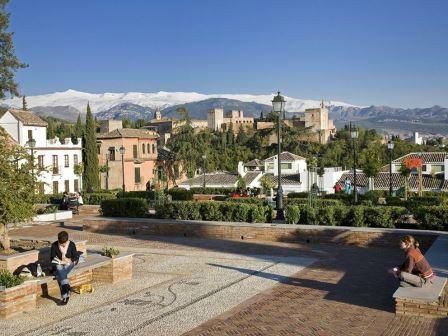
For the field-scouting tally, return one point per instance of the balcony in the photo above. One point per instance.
(56, 170)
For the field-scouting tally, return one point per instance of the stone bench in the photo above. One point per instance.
(96, 268)
(430, 301)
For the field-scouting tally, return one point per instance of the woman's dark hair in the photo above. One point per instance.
(410, 241)
(62, 237)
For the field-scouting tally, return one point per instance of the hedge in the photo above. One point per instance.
(213, 191)
(179, 194)
(215, 211)
(248, 200)
(432, 217)
(124, 207)
(318, 201)
(358, 216)
(297, 195)
(88, 198)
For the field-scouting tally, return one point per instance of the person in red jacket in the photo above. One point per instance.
(415, 271)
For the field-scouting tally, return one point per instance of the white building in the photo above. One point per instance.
(54, 161)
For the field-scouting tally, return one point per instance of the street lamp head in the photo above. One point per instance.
(278, 103)
(31, 143)
(122, 150)
(390, 145)
(354, 133)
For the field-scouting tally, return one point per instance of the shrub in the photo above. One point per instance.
(7, 279)
(257, 214)
(355, 216)
(340, 214)
(308, 215)
(248, 200)
(292, 214)
(378, 217)
(188, 210)
(110, 251)
(180, 194)
(136, 194)
(49, 209)
(432, 217)
(297, 195)
(395, 201)
(319, 202)
(325, 216)
(211, 211)
(213, 191)
(48, 199)
(124, 207)
(241, 213)
(97, 198)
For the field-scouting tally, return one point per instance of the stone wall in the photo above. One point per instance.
(263, 232)
(420, 308)
(18, 299)
(14, 261)
(120, 269)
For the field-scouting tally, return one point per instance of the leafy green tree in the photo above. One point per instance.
(126, 123)
(17, 186)
(405, 172)
(90, 179)
(241, 183)
(9, 62)
(51, 130)
(139, 123)
(241, 137)
(371, 162)
(267, 183)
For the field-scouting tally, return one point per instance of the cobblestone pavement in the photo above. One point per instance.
(346, 292)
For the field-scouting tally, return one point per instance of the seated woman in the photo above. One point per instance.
(64, 257)
(415, 271)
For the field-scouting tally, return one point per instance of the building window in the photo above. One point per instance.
(270, 166)
(98, 148)
(76, 185)
(143, 148)
(55, 164)
(112, 153)
(75, 159)
(55, 187)
(148, 148)
(40, 162)
(134, 151)
(41, 188)
(137, 178)
(30, 134)
(153, 148)
(66, 162)
(286, 165)
(67, 185)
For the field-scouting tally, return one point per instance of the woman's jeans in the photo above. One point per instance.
(412, 280)
(62, 272)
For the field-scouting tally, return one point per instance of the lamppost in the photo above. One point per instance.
(204, 157)
(354, 136)
(390, 147)
(122, 152)
(32, 144)
(107, 171)
(278, 105)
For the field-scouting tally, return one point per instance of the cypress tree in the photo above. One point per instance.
(90, 178)
(51, 132)
(79, 130)
(24, 105)
(9, 62)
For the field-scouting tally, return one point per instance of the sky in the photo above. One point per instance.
(364, 52)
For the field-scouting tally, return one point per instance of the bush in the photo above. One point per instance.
(319, 202)
(110, 251)
(49, 209)
(340, 215)
(325, 216)
(124, 207)
(432, 217)
(213, 191)
(97, 198)
(48, 199)
(297, 195)
(308, 215)
(248, 200)
(179, 194)
(149, 195)
(7, 279)
(215, 211)
(292, 214)
(355, 216)
(378, 217)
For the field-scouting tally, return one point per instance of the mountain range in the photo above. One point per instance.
(69, 104)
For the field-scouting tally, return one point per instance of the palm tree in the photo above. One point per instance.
(405, 172)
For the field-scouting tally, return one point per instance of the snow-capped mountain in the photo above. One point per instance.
(103, 101)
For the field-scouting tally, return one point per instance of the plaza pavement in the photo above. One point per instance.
(217, 287)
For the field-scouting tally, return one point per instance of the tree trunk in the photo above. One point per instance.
(406, 188)
(4, 238)
(370, 183)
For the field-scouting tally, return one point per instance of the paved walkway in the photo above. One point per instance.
(346, 291)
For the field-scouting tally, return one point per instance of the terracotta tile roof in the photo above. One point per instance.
(222, 179)
(427, 157)
(251, 176)
(286, 157)
(28, 118)
(381, 182)
(254, 163)
(129, 133)
(287, 179)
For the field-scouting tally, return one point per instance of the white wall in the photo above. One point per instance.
(446, 168)
(297, 167)
(11, 125)
(39, 134)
